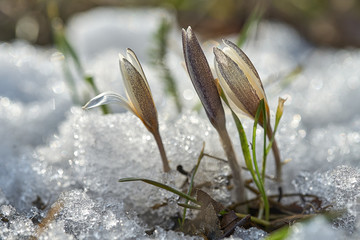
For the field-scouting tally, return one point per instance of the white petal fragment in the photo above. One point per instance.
(106, 98)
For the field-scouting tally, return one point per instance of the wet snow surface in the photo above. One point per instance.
(55, 154)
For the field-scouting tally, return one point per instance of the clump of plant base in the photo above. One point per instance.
(240, 88)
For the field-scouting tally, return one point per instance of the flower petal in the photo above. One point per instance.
(139, 94)
(238, 56)
(236, 84)
(132, 58)
(235, 104)
(106, 98)
(202, 78)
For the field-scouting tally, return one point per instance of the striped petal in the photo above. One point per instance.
(238, 56)
(132, 58)
(239, 79)
(139, 94)
(235, 83)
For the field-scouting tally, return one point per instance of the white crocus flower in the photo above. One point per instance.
(139, 99)
(239, 79)
(243, 88)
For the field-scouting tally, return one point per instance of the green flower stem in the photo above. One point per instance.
(243, 141)
(259, 181)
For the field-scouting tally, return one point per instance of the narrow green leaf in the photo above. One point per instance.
(241, 131)
(291, 76)
(280, 234)
(201, 155)
(72, 53)
(259, 180)
(158, 56)
(70, 82)
(160, 185)
(246, 151)
(184, 205)
(257, 116)
(250, 23)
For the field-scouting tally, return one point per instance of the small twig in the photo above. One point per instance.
(159, 205)
(242, 222)
(252, 189)
(233, 206)
(294, 195)
(181, 170)
(280, 194)
(255, 220)
(311, 206)
(214, 157)
(44, 224)
(286, 220)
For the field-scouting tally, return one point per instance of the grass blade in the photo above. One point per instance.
(184, 205)
(201, 155)
(158, 56)
(251, 22)
(280, 234)
(160, 185)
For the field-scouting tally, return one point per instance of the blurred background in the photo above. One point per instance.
(333, 23)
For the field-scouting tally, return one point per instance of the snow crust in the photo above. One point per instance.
(53, 152)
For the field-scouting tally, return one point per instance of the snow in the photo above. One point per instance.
(340, 187)
(314, 229)
(54, 151)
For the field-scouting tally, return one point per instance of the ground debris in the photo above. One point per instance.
(213, 221)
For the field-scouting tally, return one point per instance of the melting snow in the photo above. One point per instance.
(56, 153)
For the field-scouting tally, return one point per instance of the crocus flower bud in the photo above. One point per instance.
(280, 109)
(243, 88)
(202, 78)
(139, 99)
(239, 79)
(138, 90)
(204, 84)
